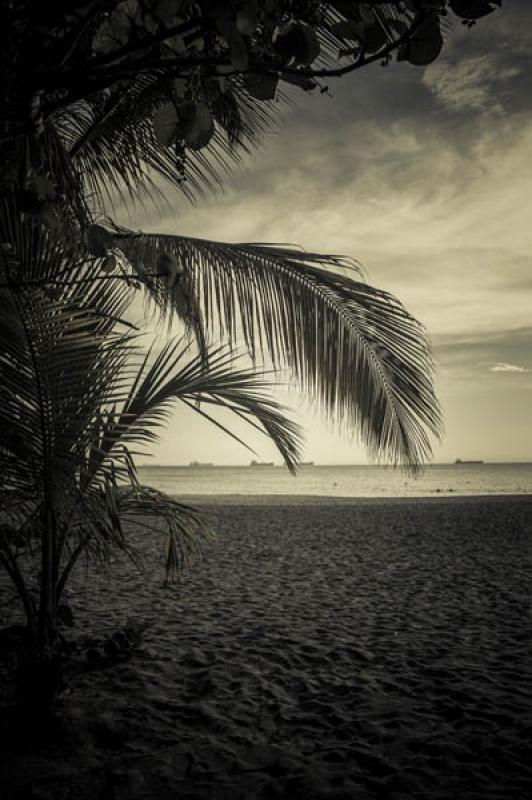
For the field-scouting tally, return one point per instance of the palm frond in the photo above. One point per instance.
(185, 531)
(353, 349)
(218, 384)
(78, 397)
(107, 491)
(62, 353)
(114, 146)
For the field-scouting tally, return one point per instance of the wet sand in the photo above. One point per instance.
(333, 649)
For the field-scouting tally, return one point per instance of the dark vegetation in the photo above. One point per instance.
(104, 101)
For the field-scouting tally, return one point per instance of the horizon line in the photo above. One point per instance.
(326, 464)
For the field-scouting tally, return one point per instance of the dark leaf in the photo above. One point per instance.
(471, 9)
(165, 124)
(373, 37)
(296, 42)
(262, 86)
(196, 126)
(425, 45)
(99, 240)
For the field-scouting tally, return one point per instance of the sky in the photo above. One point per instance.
(425, 177)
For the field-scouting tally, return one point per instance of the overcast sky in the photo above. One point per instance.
(425, 176)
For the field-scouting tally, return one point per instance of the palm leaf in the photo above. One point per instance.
(61, 352)
(93, 518)
(185, 531)
(114, 146)
(352, 348)
(77, 398)
(218, 383)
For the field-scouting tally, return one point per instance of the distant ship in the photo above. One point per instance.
(459, 461)
(201, 464)
(261, 464)
(306, 463)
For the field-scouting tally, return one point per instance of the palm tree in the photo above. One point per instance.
(79, 394)
(72, 400)
(353, 348)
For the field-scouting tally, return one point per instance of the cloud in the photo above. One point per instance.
(470, 84)
(472, 357)
(501, 367)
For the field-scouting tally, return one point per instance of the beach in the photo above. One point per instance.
(322, 648)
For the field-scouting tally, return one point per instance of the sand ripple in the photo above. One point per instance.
(356, 650)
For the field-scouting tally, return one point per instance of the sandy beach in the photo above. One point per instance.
(321, 649)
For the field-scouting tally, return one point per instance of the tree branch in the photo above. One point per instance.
(168, 33)
(180, 67)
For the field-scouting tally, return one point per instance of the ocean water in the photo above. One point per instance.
(342, 481)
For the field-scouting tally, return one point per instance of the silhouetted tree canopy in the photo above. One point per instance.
(102, 99)
(198, 76)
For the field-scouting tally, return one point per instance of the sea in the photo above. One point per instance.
(342, 481)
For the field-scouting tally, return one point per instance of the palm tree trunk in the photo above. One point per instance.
(39, 662)
(47, 599)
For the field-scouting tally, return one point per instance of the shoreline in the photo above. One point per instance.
(332, 500)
